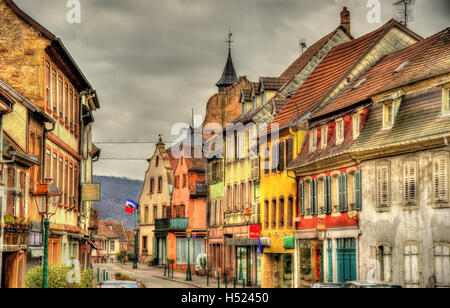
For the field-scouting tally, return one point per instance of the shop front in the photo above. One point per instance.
(160, 248)
(215, 244)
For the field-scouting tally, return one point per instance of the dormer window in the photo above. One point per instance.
(388, 115)
(445, 101)
(313, 140)
(356, 126)
(339, 131)
(263, 98)
(324, 137)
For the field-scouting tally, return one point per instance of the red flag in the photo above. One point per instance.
(129, 209)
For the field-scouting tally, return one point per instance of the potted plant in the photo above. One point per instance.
(202, 269)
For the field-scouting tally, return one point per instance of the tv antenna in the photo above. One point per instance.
(405, 11)
(302, 44)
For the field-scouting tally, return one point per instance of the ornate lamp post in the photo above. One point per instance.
(47, 200)
(188, 271)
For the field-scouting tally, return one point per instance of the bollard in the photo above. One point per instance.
(98, 275)
(207, 277)
(165, 269)
(107, 276)
(234, 282)
(225, 280)
(243, 283)
(218, 280)
(104, 275)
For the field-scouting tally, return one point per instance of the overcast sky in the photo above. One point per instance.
(152, 61)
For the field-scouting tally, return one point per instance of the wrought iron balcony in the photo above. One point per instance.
(200, 189)
(169, 224)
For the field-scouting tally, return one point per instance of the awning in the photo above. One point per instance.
(247, 242)
(93, 245)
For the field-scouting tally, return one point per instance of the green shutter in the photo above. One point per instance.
(311, 197)
(344, 193)
(302, 198)
(315, 204)
(329, 203)
(341, 201)
(358, 190)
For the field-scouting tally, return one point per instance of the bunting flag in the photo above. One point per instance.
(131, 207)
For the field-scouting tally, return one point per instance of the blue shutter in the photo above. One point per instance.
(302, 198)
(358, 190)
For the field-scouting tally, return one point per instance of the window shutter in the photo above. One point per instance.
(314, 211)
(274, 157)
(256, 160)
(281, 157)
(289, 151)
(325, 194)
(358, 189)
(344, 192)
(383, 185)
(302, 198)
(266, 160)
(441, 179)
(328, 203)
(340, 190)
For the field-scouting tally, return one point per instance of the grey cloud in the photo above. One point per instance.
(152, 61)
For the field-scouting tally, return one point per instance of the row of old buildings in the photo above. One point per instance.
(354, 185)
(46, 122)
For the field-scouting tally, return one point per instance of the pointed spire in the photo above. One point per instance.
(229, 76)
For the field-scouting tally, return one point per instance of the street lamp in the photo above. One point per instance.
(47, 199)
(188, 271)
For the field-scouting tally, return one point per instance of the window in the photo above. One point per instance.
(275, 159)
(388, 115)
(48, 162)
(383, 185)
(281, 214)
(235, 197)
(445, 101)
(155, 213)
(60, 174)
(384, 258)
(160, 184)
(356, 126)
(48, 84)
(281, 156)
(339, 131)
(324, 137)
(113, 245)
(313, 140)
(442, 265)
(71, 108)
(289, 151)
(242, 195)
(343, 192)
(71, 185)
(410, 181)
(411, 265)
(440, 178)
(290, 213)
(66, 182)
(76, 114)
(66, 99)
(274, 214)
(144, 244)
(147, 215)
(55, 169)
(152, 186)
(157, 162)
(229, 198)
(61, 98)
(184, 180)
(266, 214)
(326, 190)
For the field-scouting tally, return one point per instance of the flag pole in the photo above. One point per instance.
(136, 238)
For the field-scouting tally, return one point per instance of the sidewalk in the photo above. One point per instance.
(178, 277)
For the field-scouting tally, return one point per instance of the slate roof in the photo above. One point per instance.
(383, 73)
(229, 76)
(332, 68)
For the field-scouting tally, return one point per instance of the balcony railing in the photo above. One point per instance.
(200, 189)
(172, 224)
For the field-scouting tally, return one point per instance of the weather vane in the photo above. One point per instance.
(229, 38)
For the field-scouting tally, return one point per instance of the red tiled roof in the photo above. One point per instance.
(105, 231)
(298, 65)
(338, 61)
(420, 69)
(273, 83)
(381, 74)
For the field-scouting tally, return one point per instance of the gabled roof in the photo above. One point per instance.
(105, 231)
(298, 65)
(328, 74)
(246, 95)
(384, 73)
(118, 229)
(438, 54)
(58, 44)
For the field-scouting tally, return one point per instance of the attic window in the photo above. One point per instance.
(445, 101)
(339, 131)
(388, 116)
(313, 140)
(402, 66)
(356, 86)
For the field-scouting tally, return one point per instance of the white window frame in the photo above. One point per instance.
(340, 131)
(356, 126)
(411, 265)
(410, 178)
(441, 178)
(324, 136)
(313, 140)
(380, 186)
(441, 256)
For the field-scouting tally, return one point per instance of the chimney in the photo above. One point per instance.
(345, 19)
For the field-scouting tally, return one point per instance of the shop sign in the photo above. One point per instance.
(254, 231)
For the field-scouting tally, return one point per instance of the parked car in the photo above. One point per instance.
(369, 285)
(326, 286)
(120, 284)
